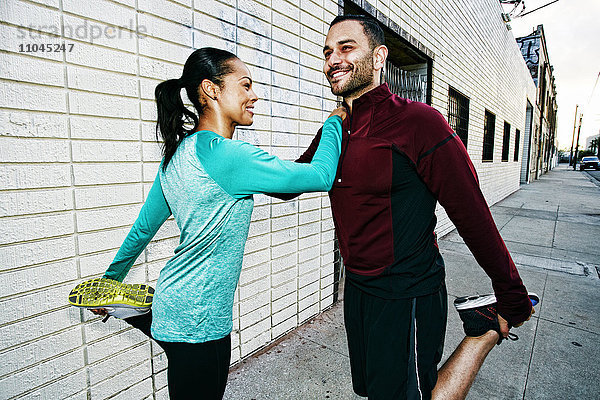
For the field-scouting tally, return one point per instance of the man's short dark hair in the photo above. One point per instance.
(370, 26)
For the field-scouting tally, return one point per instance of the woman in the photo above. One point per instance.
(206, 181)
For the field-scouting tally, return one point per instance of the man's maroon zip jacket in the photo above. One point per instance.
(398, 159)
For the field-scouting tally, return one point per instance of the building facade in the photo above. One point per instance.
(78, 156)
(541, 151)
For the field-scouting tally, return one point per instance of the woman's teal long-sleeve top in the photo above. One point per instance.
(208, 186)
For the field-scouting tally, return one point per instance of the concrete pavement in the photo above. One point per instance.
(552, 228)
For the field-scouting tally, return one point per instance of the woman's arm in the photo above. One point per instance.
(153, 214)
(242, 169)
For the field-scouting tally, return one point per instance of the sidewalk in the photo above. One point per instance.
(552, 228)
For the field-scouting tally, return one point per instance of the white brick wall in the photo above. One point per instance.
(77, 158)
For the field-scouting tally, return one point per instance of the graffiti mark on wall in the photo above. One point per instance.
(530, 48)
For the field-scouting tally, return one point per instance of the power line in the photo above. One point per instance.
(593, 89)
(529, 12)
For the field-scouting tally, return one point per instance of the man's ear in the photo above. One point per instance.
(210, 89)
(380, 54)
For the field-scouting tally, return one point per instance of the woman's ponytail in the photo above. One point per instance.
(205, 63)
(172, 116)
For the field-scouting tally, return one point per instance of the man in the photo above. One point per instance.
(398, 159)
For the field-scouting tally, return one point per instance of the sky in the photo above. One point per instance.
(572, 29)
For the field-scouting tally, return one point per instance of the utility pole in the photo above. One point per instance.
(573, 140)
(577, 145)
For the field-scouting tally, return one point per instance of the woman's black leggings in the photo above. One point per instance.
(196, 370)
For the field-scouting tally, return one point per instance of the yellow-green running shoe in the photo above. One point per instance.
(120, 300)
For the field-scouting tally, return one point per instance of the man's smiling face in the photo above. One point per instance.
(348, 59)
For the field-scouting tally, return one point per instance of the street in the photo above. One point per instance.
(594, 174)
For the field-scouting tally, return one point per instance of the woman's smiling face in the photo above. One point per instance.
(236, 98)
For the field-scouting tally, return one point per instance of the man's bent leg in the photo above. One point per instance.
(458, 373)
(483, 326)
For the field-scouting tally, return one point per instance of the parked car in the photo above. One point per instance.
(589, 162)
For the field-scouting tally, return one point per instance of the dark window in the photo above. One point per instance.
(489, 125)
(506, 141)
(517, 140)
(458, 114)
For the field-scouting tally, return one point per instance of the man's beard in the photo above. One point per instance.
(362, 75)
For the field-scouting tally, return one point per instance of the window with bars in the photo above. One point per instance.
(458, 114)
(517, 141)
(489, 125)
(407, 84)
(505, 141)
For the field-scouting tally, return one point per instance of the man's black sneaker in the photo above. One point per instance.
(479, 314)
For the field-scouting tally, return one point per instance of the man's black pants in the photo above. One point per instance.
(394, 345)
